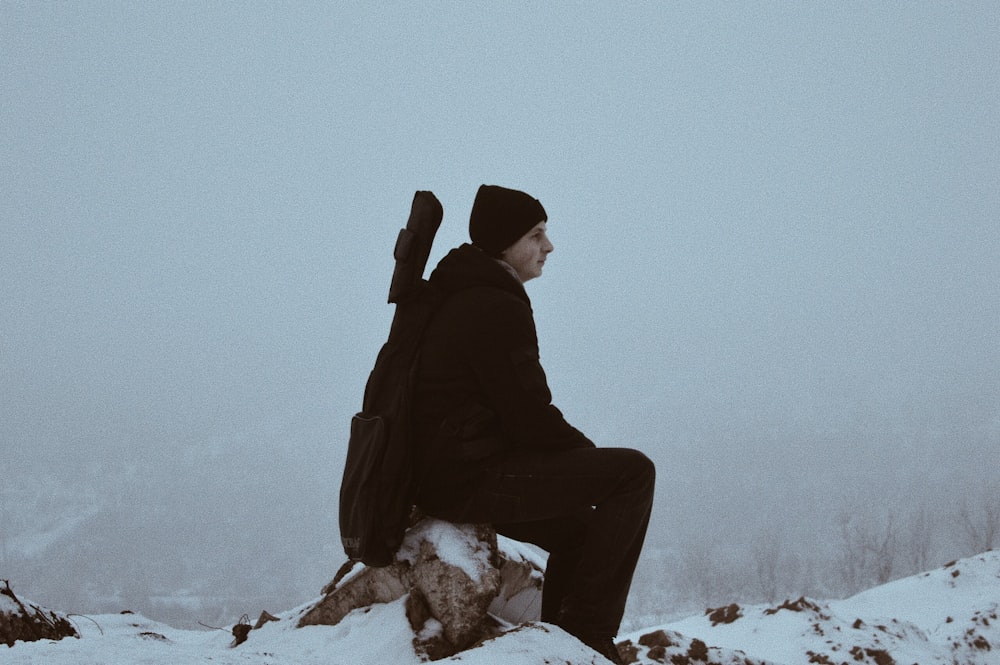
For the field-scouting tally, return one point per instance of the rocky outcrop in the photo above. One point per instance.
(522, 573)
(457, 579)
(23, 620)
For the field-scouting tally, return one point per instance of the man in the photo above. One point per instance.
(493, 447)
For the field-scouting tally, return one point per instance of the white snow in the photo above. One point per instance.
(948, 615)
(518, 551)
(380, 635)
(451, 545)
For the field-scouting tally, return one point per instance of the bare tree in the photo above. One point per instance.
(853, 556)
(706, 574)
(883, 546)
(918, 541)
(767, 556)
(4, 530)
(776, 567)
(981, 521)
(869, 551)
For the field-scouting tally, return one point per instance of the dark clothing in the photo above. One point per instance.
(481, 389)
(589, 508)
(494, 449)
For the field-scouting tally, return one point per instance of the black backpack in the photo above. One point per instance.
(377, 490)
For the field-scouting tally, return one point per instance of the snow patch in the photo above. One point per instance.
(453, 544)
(942, 617)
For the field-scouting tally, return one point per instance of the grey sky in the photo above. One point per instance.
(771, 220)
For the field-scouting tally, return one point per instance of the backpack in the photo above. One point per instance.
(377, 491)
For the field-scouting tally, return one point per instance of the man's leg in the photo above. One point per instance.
(563, 539)
(614, 484)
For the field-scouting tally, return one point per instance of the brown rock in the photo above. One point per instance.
(452, 574)
(25, 621)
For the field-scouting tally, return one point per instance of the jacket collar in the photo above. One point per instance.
(467, 267)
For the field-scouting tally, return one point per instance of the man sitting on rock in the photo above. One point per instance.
(493, 447)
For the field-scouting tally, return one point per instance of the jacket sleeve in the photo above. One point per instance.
(502, 349)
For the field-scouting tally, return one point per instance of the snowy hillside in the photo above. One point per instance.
(947, 616)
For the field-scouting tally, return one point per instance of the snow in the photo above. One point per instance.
(451, 545)
(381, 634)
(518, 551)
(7, 604)
(948, 615)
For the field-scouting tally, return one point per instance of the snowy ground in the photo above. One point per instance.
(948, 615)
(382, 635)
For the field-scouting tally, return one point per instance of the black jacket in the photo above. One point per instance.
(481, 390)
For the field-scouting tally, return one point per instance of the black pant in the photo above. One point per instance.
(589, 508)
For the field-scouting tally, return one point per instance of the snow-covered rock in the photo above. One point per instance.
(522, 572)
(450, 574)
(665, 646)
(22, 620)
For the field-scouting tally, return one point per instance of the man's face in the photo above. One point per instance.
(527, 255)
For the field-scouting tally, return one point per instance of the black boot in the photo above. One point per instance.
(601, 641)
(604, 646)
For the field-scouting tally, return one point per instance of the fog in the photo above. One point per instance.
(775, 268)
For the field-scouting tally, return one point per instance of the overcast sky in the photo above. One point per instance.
(770, 220)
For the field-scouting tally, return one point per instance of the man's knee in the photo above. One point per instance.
(638, 465)
(642, 479)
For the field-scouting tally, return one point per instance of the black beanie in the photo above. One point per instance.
(500, 216)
